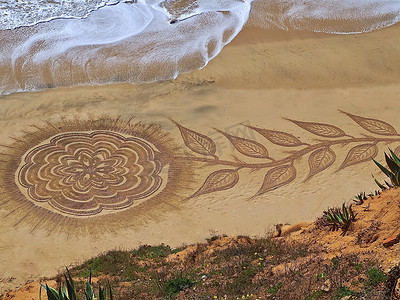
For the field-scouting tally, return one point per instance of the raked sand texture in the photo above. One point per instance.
(278, 127)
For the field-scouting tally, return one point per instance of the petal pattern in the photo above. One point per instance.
(83, 173)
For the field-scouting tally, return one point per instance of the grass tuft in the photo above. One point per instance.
(375, 277)
(177, 284)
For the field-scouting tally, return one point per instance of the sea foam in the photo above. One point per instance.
(152, 40)
(131, 42)
(330, 16)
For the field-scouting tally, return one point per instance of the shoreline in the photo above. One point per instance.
(273, 59)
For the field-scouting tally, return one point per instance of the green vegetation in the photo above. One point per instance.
(110, 262)
(358, 266)
(261, 268)
(316, 295)
(337, 218)
(375, 277)
(336, 262)
(360, 198)
(177, 284)
(67, 290)
(393, 170)
(274, 289)
(341, 292)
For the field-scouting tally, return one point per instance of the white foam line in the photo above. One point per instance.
(138, 43)
(101, 5)
(326, 15)
(124, 42)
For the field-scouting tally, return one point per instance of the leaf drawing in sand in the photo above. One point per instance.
(373, 125)
(247, 147)
(359, 154)
(218, 181)
(397, 151)
(277, 177)
(278, 137)
(320, 129)
(197, 142)
(320, 160)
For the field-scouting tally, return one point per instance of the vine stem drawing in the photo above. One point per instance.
(283, 171)
(287, 159)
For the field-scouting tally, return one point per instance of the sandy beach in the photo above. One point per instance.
(297, 86)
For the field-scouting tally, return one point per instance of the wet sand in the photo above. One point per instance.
(260, 80)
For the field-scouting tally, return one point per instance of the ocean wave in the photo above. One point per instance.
(152, 40)
(330, 16)
(128, 42)
(20, 13)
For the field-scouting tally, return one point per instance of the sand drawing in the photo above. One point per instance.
(84, 173)
(283, 171)
(90, 174)
(78, 172)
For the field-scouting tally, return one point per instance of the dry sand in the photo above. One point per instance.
(258, 80)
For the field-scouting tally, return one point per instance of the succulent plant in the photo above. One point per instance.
(67, 290)
(393, 170)
(360, 198)
(339, 218)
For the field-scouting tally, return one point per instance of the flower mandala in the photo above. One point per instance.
(83, 174)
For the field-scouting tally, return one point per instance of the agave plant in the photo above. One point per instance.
(393, 170)
(337, 218)
(89, 294)
(360, 198)
(67, 290)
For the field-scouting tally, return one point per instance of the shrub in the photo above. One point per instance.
(177, 284)
(375, 276)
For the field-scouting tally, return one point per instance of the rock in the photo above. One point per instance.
(278, 230)
(287, 229)
(390, 241)
(346, 298)
(326, 287)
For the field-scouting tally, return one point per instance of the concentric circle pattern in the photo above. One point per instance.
(84, 173)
